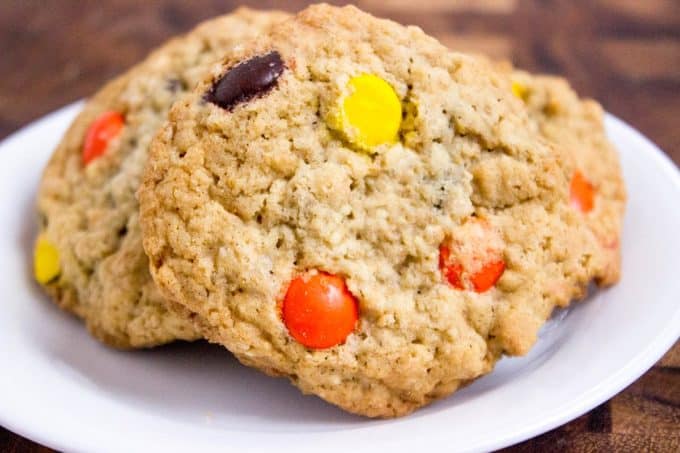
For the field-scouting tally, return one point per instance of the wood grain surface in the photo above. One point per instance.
(625, 53)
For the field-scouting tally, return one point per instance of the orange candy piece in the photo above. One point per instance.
(472, 259)
(319, 311)
(100, 133)
(481, 281)
(485, 278)
(452, 271)
(581, 193)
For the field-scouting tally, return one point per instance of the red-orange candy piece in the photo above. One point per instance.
(319, 311)
(581, 193)
(452, 271)
(485, 278)
(472, 258)
(100, 133)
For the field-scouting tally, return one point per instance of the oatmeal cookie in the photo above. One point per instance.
(89, 254)
(346, 203)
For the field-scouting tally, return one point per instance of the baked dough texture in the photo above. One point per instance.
(90, 212)
(577, 127)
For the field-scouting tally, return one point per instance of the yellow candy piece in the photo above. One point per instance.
(520, 90)
(371, 113)
(45, 260)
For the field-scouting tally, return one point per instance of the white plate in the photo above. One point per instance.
(61, 388)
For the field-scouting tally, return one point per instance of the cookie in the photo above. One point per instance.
(346, 203)
(89, 254)
(597, 189)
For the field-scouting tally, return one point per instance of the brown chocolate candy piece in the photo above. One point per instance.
(246, 80)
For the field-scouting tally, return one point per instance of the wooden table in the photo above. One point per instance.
(625, 53)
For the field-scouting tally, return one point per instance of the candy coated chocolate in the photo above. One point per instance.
(247, 80)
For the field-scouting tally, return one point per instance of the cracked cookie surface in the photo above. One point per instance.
(597, 186)
(454, 236)
(89, 256)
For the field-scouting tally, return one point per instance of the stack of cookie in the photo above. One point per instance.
(335, 198)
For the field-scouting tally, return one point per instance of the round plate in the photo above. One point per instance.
(63, 389)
